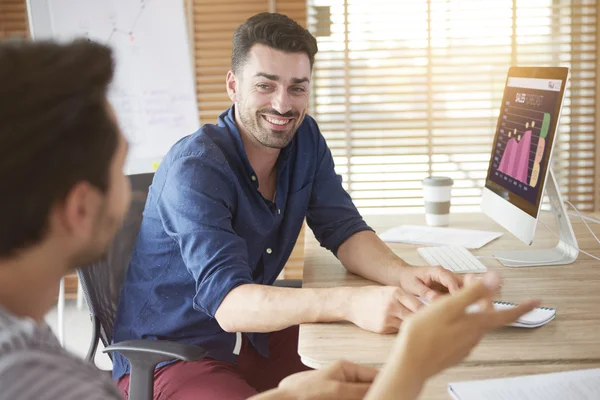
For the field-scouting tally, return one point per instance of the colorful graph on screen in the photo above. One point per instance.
(515, 160)
(522, 141)
(518, 152)
(524, 137)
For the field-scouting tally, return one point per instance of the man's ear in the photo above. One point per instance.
(77, 212)
(231, 86)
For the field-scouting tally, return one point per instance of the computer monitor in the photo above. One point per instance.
(519, 171)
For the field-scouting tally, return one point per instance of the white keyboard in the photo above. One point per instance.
(453, 258)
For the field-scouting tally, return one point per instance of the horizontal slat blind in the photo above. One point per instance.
(407, 89)
(13, 19)
(295, 9)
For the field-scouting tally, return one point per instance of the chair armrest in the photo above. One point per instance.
(161, 348)
(143, 355)
(289, 283)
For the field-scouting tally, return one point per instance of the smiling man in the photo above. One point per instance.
(222, 217)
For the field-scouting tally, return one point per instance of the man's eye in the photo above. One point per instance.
(298, 89)
(262, 86)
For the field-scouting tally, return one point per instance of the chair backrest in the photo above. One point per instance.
(102, 280)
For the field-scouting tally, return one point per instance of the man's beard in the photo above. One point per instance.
(100, 242)
(257, 127)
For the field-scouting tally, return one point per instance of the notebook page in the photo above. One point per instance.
(576, 385)
(536, 316)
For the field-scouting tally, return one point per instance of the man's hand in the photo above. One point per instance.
(429, 282)
(380, 309)
(444, 333)
(341, 380)
(366, 255)
(441, 335)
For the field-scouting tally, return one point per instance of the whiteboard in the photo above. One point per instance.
(153, 91)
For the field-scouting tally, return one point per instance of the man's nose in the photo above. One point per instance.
(281, 102)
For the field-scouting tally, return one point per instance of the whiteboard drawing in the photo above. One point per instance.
(153, 90)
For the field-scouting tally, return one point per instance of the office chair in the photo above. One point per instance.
(101, 282)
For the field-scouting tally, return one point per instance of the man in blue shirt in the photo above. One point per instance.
(222, 217)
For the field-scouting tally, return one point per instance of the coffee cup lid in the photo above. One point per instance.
(438, 181)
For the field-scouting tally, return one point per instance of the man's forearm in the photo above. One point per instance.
(261, 308)
(400, 378)
(397, 380)
(274, 394)
(366, 255)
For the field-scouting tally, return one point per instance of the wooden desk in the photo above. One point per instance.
(571, 341)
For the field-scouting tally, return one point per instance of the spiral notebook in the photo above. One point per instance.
(535, 318)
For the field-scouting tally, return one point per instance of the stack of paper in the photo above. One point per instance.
(434, 236)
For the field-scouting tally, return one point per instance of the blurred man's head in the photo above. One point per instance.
(61, 151)
(269, 81)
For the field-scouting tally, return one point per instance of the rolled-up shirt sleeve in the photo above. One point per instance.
(332, 215)
(195, 207)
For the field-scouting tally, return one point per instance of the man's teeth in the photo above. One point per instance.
(277, 121)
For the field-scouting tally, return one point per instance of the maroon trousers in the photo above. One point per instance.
(212, 379)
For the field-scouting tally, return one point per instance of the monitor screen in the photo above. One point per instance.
(524, 136)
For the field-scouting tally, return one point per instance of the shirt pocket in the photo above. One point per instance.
(300, 185)
(297, 202)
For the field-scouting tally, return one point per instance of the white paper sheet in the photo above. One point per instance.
(572, 385)
(434, 236)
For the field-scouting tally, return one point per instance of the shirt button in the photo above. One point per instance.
(278, 211)
(269, 251)
(253, 178)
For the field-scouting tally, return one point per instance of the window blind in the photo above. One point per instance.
(13, 19)
(407, 89)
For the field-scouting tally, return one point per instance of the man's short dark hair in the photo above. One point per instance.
(274, 30)
(55, 131)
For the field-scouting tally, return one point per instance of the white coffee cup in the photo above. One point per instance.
(437, 192)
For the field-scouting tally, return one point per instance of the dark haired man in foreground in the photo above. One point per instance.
(64, 196)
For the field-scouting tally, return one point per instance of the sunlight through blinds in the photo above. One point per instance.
(405, 89)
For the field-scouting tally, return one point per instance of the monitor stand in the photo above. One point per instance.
(565, 252)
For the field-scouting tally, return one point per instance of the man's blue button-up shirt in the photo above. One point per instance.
(207, 229)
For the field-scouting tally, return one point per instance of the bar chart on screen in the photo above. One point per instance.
(515, 160)
(521, 144)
